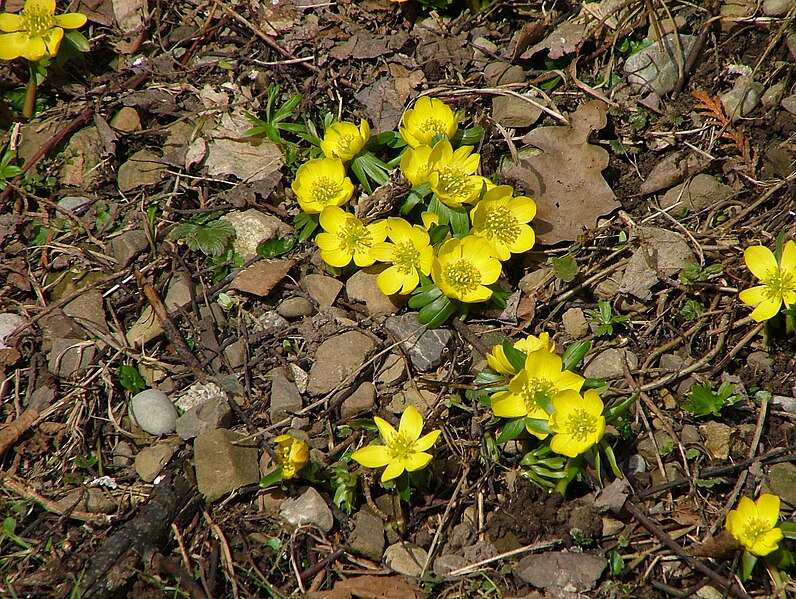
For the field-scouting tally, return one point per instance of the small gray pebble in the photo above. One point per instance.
(295, 307)
(153, 411)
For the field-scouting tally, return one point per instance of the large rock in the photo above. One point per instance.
(566, 571)
(308, 509)
(285, 397)
(425, 348)
(337, 359)
(653, 70)
(224, 461)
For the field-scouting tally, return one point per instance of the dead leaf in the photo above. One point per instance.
(672, 170)
(246, 159)
(565, 179)
(660, 254)
(129, 14)
(383, 103)
(260, 278)
(565, 39)
(371, 587)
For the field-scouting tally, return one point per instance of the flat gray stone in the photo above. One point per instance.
(405, 558)
(360, 401)
(150, 461)
(426, 348)
(392, 372)
(742, 99)
(285, 397)
(9, 322)
(660, 251)
(252, 227)
(653, 70)
(127, 246)
(142, 169)
(760, 361)
(212, 414)
(362, 287)
(293, 308)
(575, 323)
(69, 356)
(324, 290)
(308, 509)
(576, 572)
(703, 191)
(153, 412)
(777, 8)
(337, 359)
(224, 461)
(92, 500)
(782, 482)
(367, 539)
(610, 364)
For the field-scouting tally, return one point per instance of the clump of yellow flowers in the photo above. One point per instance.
(35, 33)
(453, 228)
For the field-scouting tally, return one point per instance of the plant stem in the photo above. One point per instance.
(29, 108)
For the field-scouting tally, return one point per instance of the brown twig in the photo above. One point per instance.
(695, 564)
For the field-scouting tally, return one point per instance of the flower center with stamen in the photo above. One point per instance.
(755, 528)
(580, 424)
(432, 124)
(501, 224)
(405, 256)
(401, 446)
(323, 190)
(529, 391)
(453, 182)
(462, 276)
(354, 237)
(344, 144)
(778, 282)
(36, 21)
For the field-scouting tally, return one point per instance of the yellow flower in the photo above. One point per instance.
(463, 268)
(502, 220)
(429, 219)
(345, 238)
(497, 357)
(409, 254)
(344, 140)
(752, 524)
(415, 164)
(322, 182)
(403, 449)
(429, 117)
(36, 31)
(577, 422)
(543, 374)
(292, 453)
(778, 280)
(452, 177)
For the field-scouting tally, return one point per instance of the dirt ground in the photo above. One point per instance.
(646, 200)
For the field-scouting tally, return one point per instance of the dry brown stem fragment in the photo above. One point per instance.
(712, 110)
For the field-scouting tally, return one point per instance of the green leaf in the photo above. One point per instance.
(438, 312)
(276, 247)
(565, 267)
(748, 562)
(77, 40)
(211, 238)
(460, 221)
(271, 478)
(424, 295)
(306, 224)
(574, 354)
(511, 430)
(467, 137)
(544, 401)
(131, 379)
(515, 357)
(537, 425)
(702, 401)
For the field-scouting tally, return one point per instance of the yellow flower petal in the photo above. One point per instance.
(393, 470)
(508, 405)
(12, 45)
(372, 456)
(788, 262)
(760, 260)
(10, 22)
(427, 441)
(753, 295)
(768, 508)
(416, 461)
(411, 423)
(47, 6)
(70, 20)
(767, 309)
(386, 430)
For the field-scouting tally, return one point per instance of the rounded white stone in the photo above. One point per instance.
(153, 411)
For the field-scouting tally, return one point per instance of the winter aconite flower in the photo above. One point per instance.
(320, 183)
(577, 422)
(293, 454)
(403, 449)
(409, 253)
(778, 280)
(502, 220)
(452, 177)
(497, 357)
(464, 267)
(753, 524)
(428, 118)
(344, 140)
(542, 375)
(415, 164)
(36, 31)
(347, 238)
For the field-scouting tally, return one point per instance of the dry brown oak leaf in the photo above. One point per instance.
(565, 177)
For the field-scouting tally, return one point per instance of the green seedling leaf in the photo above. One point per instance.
(511, 430)
(276, 247)
(211, 238)
(748, 562)
(703, 401)
(565, 267)
(537, 425)
(467, 137)
(306, 225)
(272, 478)
(515, 357)
(438, 312)
(574, 354)
(131, 379)
(424, 295)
